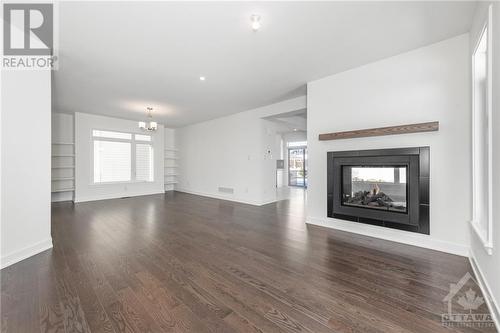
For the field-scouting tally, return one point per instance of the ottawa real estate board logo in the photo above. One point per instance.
(28, 36)
(466, 307)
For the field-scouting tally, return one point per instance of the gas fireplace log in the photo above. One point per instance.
(367, 198)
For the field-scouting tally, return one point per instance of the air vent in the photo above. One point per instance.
(227, 190)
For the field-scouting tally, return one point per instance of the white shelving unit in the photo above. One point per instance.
(63, 167)
(54, 179)
(171, 168)
(69, 189)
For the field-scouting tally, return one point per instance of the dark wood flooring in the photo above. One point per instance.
(183, 263)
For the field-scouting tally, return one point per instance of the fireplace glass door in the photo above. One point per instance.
(375, 187)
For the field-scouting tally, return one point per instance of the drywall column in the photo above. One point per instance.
(25, 175)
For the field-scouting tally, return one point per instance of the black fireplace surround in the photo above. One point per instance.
(387, 187)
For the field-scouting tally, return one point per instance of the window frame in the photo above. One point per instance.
(484, 233)
(133, 160)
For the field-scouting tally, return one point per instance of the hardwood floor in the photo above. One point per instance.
(183, 263)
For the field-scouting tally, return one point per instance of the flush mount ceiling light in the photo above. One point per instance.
(202, 78)
(151, 125)
(255, 22)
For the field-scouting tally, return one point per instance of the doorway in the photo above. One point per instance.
(297, 166)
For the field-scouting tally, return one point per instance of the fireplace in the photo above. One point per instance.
(389, 187)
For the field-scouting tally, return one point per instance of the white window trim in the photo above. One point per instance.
(132, 142)
(485, 235)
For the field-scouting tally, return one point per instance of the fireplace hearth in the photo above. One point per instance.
(387, 187)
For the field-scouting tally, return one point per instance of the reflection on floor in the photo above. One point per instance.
(291, 192)
(292, 198)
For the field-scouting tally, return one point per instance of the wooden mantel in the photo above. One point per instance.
(391, 130)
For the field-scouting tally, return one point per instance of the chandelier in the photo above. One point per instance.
(150, 125)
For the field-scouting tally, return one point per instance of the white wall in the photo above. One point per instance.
(488, 266)
(170, 139)
(25, 173)
(232, 152)
(427, 84)
(85, 189)
(63, 128)
(62, 132)
(272, 143)
(295, 136)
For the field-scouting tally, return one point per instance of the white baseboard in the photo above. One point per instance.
(222, 197)
(486, 290)
(394, 235)
(116, 196)
(62, 196)
(25, 253)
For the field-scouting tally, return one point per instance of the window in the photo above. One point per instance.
(111, 161)
(122, 157)
(482, 136)
(144, 162)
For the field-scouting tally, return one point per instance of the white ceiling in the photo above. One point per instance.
(290, 122)
(116, 58)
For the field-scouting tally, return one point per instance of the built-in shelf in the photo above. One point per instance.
(64, 167)
(62, 178)
(70, 189)
(61, 151)
(171, 154)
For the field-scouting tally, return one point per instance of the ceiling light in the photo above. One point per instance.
(202, 78)
(151, 125)
(255, 22)
(295, 130)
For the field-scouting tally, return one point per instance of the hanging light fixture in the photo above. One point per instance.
(151, 125)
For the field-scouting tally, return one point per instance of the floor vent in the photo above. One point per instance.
(227, 190)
